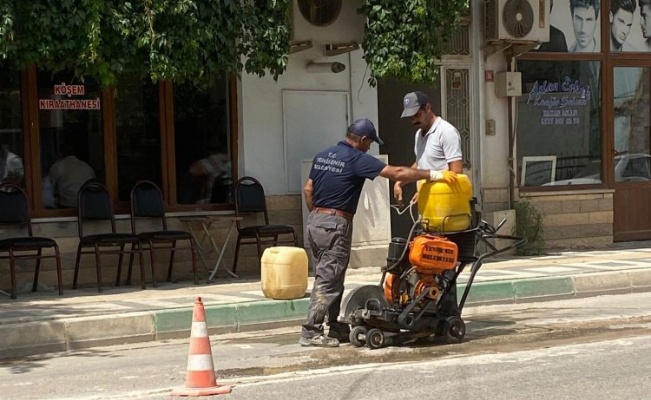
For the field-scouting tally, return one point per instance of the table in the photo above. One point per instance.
(206, 221)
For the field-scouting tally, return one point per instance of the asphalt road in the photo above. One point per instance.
(587, 348)
(612, 369)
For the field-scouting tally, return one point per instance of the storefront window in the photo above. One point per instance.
(71, 135)
(202, 140)
(632, 124)
(558, 123)
(138, 133)
(11, 127)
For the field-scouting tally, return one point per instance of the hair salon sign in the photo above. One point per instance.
(69, 103)
(560, 101)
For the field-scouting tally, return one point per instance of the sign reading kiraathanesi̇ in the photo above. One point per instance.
(69, 104)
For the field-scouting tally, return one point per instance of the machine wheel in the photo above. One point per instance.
(357, 336)
(454, 330)
(375, 338)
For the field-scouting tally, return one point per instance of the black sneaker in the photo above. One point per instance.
(318, 341)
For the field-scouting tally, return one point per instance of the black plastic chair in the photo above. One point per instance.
(222, 190)
(94, 205)
(14, 212)
(147, 203)
(250, 200)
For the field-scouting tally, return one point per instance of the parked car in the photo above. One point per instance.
(628, 168)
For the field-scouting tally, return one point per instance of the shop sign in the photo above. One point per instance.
(69, 104)
(560, 101)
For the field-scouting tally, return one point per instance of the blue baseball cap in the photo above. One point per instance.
(364, 127)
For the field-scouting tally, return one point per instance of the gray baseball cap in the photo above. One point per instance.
(412, 102)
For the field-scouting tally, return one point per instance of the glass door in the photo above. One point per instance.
(632, 152)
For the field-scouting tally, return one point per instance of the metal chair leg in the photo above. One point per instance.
(98, 267)
(57, 258)
(259, 245)
(237, 253)
(170, 265)
(12, 271)
(118, 275)
(193, 250)
(129, 271)
(37, 268)
(143, 284)
(134, 248)
(74, 280)
(152, 259)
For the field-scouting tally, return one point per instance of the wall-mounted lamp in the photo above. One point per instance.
(320, 67)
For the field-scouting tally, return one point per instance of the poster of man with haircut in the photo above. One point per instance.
(577, 22)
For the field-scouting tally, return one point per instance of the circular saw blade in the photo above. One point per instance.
(357, 299)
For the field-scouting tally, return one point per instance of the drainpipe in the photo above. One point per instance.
(351, 116)
(513, 162)
(478, 97)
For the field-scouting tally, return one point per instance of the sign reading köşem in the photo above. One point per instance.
(69, 104)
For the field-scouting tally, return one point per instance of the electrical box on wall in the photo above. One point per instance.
(508, 84)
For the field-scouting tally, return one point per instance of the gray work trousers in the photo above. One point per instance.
(330, 239)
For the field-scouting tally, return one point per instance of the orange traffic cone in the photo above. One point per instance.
(200, 379)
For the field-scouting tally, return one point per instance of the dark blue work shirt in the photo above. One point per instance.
(338, 175)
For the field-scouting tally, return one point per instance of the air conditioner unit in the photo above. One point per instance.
(517, 20)
(327, 21)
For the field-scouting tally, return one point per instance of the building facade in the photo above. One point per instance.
(192, 141)
(574, 141)
(579, 128)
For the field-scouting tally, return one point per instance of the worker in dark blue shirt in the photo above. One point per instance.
(332, 192)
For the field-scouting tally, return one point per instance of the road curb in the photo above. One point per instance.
(38, 337)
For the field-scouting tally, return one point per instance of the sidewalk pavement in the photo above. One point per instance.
(44, 322)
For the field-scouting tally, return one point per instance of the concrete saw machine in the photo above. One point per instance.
(416, 297)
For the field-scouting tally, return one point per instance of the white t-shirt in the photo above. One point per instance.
(67, 177)
(215, 165)
(11, 165)
(440, 145)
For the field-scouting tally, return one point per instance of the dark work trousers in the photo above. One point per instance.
(330, 239)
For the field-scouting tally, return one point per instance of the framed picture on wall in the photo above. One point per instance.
(538, 170)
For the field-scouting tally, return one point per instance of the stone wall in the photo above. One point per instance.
(494, 199)
(575, 219)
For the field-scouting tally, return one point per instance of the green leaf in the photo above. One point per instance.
(398, 36)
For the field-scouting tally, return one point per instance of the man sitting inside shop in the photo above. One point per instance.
(67, 175)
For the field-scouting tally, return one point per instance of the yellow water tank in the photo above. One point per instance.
(444, 207)
(284, 272)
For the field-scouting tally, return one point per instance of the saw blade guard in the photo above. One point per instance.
(368, 297)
